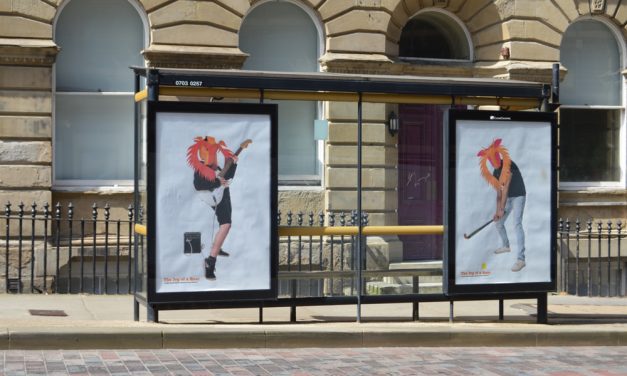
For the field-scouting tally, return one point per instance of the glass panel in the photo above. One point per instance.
(590, 53)
(297, 147)
(141, 201)
(433, 35)
(282, 37)
(99, 40)
(94, 137)
(420, 179)
(589, 145)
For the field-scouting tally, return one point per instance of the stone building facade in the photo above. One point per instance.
(62, 61)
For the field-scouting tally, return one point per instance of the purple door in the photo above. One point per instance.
(420, 189)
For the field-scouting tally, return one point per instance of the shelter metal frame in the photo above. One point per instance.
(164, 84)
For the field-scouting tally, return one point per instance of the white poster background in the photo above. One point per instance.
(180, 209)
(529, 145)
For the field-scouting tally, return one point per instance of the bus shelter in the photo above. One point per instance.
(180, 131)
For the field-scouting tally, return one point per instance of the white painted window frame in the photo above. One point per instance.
(305, 181)
(622, 182)
(86, 185)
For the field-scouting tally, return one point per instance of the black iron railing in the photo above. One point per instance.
(336, 256)
(49, 250)
(54, 250)
(590, 259)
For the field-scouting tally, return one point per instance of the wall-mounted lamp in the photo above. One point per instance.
(392, 123)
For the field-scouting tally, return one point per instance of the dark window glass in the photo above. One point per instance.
(435, 36)
(589, 145)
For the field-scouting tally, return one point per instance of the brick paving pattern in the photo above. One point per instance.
(555, 361)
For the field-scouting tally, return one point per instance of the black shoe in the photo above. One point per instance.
(223, 254)
(210, 268)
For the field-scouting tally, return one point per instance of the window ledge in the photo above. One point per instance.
(618, 190)
(94, 189)
(593, 203)
(312, 188)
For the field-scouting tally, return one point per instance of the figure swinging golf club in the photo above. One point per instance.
(508, 183)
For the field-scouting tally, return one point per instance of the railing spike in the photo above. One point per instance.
(300, 217)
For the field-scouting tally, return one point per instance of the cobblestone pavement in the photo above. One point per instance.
(315, 361)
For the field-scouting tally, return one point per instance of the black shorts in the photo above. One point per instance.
(223, 210)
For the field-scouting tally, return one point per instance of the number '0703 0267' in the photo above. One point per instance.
(187, 83)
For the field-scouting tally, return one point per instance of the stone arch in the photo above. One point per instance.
(616, 30)
(473, 16)
(305, 6)
(445, 26)
(136, 4)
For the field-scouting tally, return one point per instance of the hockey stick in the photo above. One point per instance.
(468, 236)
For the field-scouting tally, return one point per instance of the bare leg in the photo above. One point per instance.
(223, 231)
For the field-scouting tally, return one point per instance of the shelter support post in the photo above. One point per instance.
(152, 313)
(542, 314)
(416, 289)
(415, 313)
(501, 309)
(135, 310)
(451, 313)
(360, 234)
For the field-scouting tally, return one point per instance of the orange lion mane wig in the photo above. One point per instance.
(202, 156)
(498, 155)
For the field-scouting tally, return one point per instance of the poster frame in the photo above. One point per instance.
(197, 299)
(451, 288)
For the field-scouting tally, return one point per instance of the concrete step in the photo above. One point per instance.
(409, 280)
(432, 266)
(385, 288)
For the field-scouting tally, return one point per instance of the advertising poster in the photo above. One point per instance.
(213, 188)
(503, 196)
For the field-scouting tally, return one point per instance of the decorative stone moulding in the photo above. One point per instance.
(597, 6)
(191, 57)
(27, 52)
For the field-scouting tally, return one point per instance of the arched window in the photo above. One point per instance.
(93, 139)
(281, 36)
(434, 35)
(592, 110)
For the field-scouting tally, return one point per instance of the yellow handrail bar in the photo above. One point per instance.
(367, 230)
(345, 230)
(141, 95)
(141, 229)
(344, 97)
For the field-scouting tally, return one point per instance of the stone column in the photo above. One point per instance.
(379, 173)
(25, 120)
